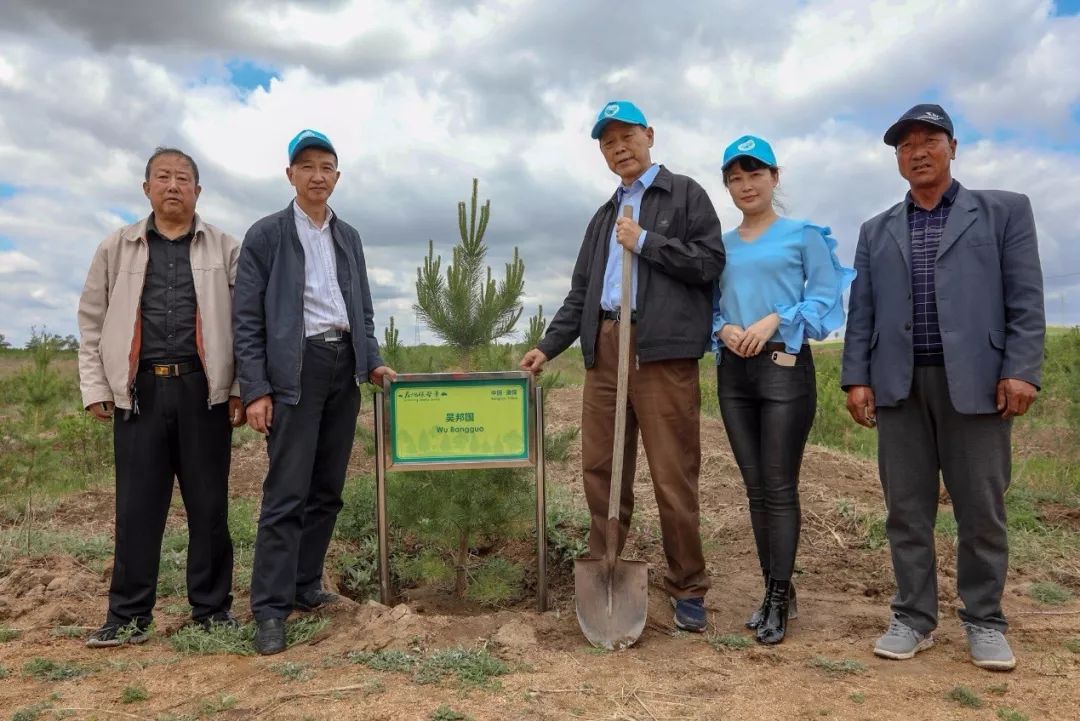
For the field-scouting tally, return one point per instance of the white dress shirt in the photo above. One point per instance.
(324, 306)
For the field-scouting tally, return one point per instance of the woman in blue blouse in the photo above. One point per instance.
(782, 285)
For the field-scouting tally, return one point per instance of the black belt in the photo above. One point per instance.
(331, 336)
(170, 370)
(615, 314)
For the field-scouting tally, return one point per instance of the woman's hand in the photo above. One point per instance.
(731, 336)
(757, 335)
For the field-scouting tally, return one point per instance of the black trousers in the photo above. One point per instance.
(309, 446)
(768, 410)
(173, 435)
(920, 442)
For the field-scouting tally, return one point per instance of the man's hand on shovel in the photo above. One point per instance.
(627, 232)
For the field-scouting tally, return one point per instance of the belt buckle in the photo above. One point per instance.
(165, 371)
(332, 336)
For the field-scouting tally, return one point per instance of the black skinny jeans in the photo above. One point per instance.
(768, 410)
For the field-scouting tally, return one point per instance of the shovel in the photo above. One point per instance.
(611, 594)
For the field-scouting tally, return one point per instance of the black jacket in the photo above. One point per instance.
(268, 306)
(681, 257)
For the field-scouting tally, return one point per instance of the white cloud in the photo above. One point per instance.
(420, 97)
(12, 262)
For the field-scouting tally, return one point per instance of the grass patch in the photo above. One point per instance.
(69, 631)
(838, 667)
(292, 671)
(1008, 714)
(9, 634)
(728, 641)
(557, 445)
(869, 527)
(239, 640)
(1072, 645)
(134, 694)
(445, 713)
(397, 661)
(568, 527)
(428, 567)
(31, 713)
(217, 704)
(4, 673)
(857, 697)
(965, 697)
(497, 581)
(472, 667)
(998, 690)
(1049, 593)
(44, 669)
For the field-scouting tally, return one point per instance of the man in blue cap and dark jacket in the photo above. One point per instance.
(675, 238)
(305, 340)
(944, 348)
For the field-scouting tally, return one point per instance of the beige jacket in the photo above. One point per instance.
(110, 321)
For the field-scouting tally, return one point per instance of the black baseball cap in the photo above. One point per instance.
(924, 113)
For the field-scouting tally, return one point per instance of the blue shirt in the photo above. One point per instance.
(791, 269)
(611, 298)
(925, 228)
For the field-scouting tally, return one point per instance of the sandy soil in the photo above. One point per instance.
(843, 599)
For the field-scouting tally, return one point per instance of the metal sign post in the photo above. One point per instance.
(443, 421)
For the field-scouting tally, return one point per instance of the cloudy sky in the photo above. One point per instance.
(420, 97)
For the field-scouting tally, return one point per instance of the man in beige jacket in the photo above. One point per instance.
(156, 359)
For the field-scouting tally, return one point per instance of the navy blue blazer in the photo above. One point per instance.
(989, 299)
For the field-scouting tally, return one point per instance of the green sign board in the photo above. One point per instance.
(458, 419)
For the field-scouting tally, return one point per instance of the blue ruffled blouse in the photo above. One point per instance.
(790, 269)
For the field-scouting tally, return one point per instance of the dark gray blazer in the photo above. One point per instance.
(989, 298)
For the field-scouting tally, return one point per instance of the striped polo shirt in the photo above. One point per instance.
(925, 228)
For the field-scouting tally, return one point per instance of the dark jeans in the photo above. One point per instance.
(309, 446)
(768, 410)
(919, 439)
(174, 434)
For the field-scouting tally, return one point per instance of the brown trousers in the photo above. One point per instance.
(664, 401)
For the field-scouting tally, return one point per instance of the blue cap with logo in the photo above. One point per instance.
(309, 138)
(621, 110)
(750, 146)
(924, 113)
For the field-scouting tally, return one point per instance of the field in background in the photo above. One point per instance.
(56, 547)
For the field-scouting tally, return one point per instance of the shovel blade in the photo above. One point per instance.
(611, 607)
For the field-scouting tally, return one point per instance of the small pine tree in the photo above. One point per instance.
(39, 392)
(469, 310)
(392, 348)
(537, 325)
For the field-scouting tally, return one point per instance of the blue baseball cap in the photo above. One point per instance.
(621, 110)
(750, 146)
(309, 138)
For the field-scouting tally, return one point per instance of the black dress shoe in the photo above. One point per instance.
(774, 618)
(270, 636)
(312, 600)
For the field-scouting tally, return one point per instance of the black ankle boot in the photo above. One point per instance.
(759, 613)
(793, 607)
(773, 625)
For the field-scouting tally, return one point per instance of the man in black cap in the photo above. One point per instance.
(305, 339)
(943, 349)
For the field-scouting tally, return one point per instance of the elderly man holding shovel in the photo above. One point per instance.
(645, 267)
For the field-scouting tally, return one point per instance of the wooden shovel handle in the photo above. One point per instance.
(615, 490)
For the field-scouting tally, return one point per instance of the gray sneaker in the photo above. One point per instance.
(989, 649)
(902, 642)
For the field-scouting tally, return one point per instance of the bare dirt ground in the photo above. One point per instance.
(843, 599)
